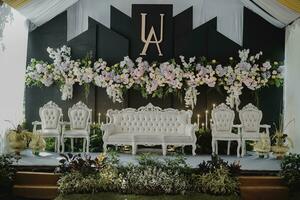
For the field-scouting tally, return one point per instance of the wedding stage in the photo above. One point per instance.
(249, 163)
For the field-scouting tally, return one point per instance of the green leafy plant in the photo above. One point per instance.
(290, 170)
(7, 171)
(217, 182)
(216, 163)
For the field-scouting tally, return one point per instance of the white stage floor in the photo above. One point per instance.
(249, 162)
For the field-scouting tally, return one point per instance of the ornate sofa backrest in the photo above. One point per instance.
(50, 115)
(223, 118)
(250, 118)
(149, 120)
(80, 116)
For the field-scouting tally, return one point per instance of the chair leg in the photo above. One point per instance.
(238, 148)
(194, 149)
(104, 147)
(228, 147)
(217, 149)
(164, 149)
(62, 144)
(134, 147)
(213, 146)
(243, 148)
(55, 144)
(58, 144)
(84, 145)
(88, 145)
(72, 145)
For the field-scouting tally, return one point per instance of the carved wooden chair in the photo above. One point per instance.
(222, 128)
(80, 117)
(51, 116)
(250, 118)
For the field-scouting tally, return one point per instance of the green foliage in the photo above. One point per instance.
(290, 171)
(7, 171)
(153, 180)
(114, 196)
(96, 141)
(217, 182)
(216, 163)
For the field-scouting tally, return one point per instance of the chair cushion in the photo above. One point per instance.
(120, 137)
(49, 132)
(178, 139)
(76, 133)
(226, 135)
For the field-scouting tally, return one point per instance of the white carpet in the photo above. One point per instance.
(249, 162)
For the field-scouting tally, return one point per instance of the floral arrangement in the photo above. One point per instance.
(263, 145)
(37, 143)
(156, 79)
(282, 142)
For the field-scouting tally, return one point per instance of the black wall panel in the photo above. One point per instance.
(119, 41)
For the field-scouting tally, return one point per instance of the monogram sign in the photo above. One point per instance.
(152, 33)
(152, 36)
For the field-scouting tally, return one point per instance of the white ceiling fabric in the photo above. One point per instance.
(277, 10)
(40, 12)
(229, 14)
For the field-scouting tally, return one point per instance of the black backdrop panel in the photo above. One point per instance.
(179, 39)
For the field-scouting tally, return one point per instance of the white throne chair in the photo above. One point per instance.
(80, 117)
(51, 116)
(250, 117)
(222, 128)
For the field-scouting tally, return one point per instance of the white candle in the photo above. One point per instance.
(198, 120)
(202, 125)
(206, 118)
(99, 118)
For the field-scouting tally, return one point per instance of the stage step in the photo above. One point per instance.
(36, 185)
(263, 188)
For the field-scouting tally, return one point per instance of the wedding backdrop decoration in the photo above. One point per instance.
(156, 79)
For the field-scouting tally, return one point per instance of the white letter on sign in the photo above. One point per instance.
(151, 35)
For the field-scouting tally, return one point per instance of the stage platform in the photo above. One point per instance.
(248, 163)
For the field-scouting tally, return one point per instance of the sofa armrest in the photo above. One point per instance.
(108, 130)
(190, 130)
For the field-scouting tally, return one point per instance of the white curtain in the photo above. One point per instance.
(12, 76)
(229, 13)
(292, 82)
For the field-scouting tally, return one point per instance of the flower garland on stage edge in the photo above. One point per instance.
(155, 79)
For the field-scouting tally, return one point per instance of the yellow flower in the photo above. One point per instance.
(213, 61)
(101, 157)
(107, 68)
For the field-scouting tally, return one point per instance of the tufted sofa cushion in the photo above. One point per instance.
(150, 123)
(79, 118)
(251, 120)
(50, 118)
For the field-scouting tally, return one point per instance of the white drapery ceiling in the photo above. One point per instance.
(229, 12)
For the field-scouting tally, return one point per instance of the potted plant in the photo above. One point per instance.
(37, 144)
(17, 138)
(282, 143)
(263, 146)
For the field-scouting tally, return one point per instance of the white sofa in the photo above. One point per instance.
(149, 125)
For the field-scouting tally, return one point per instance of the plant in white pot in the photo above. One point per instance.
(37, 144)
(282, 142)
(18, 138)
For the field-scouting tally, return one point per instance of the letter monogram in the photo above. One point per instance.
(152, 37)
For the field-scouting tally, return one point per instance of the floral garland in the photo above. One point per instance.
(155, 79)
